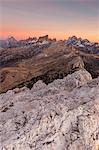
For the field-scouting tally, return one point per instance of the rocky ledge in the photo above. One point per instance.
(63, 115)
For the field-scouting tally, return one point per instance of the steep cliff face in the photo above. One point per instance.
(43, 38)
(61, 115)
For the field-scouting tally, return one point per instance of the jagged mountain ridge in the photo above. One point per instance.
(78, 42)
(48, 61)
(91, 47)
(8, 43)
(11, 42)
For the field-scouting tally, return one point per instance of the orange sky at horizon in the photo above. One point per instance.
(59, 19)
(21, 34)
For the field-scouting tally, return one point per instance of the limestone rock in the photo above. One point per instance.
(63, 115)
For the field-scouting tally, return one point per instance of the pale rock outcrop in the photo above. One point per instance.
(63, 115)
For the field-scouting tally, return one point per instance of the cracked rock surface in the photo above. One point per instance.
(63, 115)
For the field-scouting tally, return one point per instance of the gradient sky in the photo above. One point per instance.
(57, 18)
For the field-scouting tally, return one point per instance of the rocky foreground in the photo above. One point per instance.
(63, 115)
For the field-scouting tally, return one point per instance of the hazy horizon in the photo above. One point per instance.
(57, 18)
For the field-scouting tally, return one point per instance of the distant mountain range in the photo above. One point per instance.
(11, 42)
(84, 44)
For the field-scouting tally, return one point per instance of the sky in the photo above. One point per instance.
(57, 18)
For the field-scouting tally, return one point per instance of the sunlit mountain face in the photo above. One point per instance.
(57, 18)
